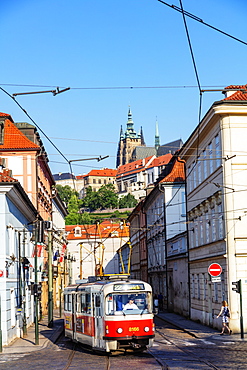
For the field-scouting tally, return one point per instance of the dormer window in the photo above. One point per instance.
(1, 133)
(77, 231)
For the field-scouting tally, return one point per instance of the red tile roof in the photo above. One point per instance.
(239, 95)
(160, 161)
(14, 139)
(5, 176)
(133, 167)
(101, 231)
(103, 173)
(141, 164)
(80, 177)
(177, 173)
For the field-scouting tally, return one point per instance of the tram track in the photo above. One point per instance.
(71, 356)
(109, 361)
(187, 352)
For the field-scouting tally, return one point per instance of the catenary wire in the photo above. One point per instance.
(190, 15)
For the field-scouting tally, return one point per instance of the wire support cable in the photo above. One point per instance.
(194, 17)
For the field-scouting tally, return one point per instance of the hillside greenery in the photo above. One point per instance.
(88, 210)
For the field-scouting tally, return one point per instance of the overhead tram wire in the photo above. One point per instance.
(117, 87)
(190, 15)
(36, 125)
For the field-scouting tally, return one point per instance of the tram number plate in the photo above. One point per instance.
(134, 328)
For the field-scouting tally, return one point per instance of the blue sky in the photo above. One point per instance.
(95, 46)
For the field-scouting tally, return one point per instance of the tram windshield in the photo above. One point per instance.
(129, 304)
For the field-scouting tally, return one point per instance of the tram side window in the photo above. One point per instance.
(85, 303)
(67, 302)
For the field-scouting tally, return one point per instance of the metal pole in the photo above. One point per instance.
(241, 310)
(24, 289)
(36, 311)
(81, 245)
(1, 337)
(60, 296)
(50, 281)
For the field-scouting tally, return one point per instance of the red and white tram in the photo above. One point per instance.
(96, 313)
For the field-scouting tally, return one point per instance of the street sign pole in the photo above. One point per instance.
(237, 287)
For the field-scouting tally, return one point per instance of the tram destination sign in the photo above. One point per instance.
(123, 287)
(214, 269)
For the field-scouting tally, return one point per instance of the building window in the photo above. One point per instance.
(183, 205)
(205, 164)
(210, 157)
(201, 231)
(194, 174)
(220, 221)
(198, 287)
(99, 181)
(217, 150)
(213, 225)
(207, 228)
(192, 237)
(94, 181)
(188, 180)
(196, 234)
(193, 286)
(199, 170)
(204, 287)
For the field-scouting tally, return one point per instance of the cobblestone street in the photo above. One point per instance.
(173, 349)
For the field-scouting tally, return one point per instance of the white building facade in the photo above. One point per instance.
(216, 167)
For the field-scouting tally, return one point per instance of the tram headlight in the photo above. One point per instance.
(119, 330)
(146, 329)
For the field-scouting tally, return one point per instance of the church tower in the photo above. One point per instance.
(157, 136)
(128, 141)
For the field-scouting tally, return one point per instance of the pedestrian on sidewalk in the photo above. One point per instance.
(156, 304)
(225, 313)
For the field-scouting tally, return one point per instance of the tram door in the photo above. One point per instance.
(74, 307)
(98, 321)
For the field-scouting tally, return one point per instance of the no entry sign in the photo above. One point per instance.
(215, 269)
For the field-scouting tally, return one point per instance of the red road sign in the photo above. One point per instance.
(215, 269)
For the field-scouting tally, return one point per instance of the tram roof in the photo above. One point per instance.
(104, 282)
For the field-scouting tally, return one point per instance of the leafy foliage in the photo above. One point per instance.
(104, 198)
(128, 201)
(65, 193)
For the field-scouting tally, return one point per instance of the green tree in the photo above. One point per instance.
(108, 197)
(104, 198)
(85, 219)
(73, 217)
(65, 193)
(91, 199)
(128, 201)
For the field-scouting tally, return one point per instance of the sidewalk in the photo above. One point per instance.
(197, 330)
(47, 336)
